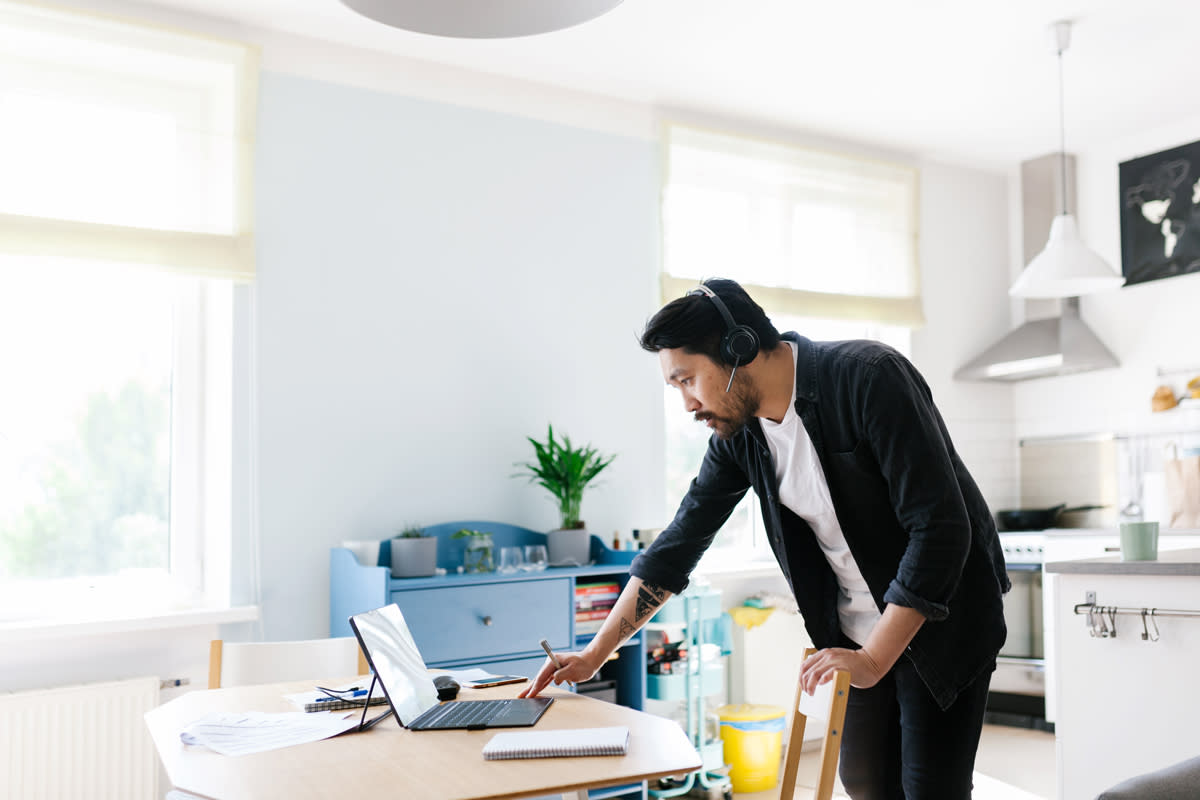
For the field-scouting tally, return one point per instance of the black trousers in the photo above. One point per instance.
(898, 744)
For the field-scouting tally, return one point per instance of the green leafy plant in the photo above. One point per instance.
(564, 471)
(477, 550)
(411, 532)
(465, 532)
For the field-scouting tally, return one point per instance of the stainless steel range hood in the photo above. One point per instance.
(1057, 345)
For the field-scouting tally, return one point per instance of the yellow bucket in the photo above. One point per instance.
(753, 741)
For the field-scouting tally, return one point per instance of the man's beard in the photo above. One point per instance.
(741, 402)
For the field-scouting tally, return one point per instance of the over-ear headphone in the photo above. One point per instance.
(739, 344)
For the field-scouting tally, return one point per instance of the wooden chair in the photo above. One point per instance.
(248, 663)
(829, 704)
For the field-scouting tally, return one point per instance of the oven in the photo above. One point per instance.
(1018, 689)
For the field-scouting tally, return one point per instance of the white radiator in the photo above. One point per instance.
(79, 742)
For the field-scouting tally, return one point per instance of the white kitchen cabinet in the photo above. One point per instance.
(1072, 544)
(1125, 705)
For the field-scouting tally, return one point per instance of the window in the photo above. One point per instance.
(124, 233)
(826, 244)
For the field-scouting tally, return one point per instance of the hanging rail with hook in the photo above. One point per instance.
(1102, 620)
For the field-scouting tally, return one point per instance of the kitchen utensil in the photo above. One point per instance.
(1132, 511)
(1037, 519)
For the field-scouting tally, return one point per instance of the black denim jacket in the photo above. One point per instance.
(913, 517)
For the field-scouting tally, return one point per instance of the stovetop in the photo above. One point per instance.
(1024, 547)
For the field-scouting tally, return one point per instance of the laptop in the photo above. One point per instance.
(392, 653)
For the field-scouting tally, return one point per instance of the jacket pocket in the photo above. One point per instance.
(857, 470)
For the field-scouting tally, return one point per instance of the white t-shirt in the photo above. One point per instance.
(804, 490)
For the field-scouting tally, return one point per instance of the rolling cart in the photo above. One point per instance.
(699, 610)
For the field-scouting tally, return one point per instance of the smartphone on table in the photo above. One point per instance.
(495, 680)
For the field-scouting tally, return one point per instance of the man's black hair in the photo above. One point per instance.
(693, 323)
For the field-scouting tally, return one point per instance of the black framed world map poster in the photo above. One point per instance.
(1160, 214)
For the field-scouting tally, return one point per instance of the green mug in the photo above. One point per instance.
(1139, 541)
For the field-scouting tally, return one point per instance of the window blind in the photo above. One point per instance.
(807, 233)
(125, 143)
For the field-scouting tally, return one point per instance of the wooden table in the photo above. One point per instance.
(389, 761)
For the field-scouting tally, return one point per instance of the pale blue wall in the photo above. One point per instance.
(436, 283)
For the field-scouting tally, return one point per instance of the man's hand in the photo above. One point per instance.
(575, 668)
(820, 666)
(895, 629)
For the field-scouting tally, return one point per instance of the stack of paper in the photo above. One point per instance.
(239, 733)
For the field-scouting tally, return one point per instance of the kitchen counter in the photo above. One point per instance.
(1170, 562)
(1067, 533)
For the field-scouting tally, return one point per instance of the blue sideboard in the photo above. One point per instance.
(490, 620)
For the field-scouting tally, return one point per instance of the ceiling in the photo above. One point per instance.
(953, 80)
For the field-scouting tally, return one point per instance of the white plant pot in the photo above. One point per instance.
(569, 548)
(414, 558)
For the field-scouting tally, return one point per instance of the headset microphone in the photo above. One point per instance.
(739, 344)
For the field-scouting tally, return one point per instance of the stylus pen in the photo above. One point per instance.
(553, 658)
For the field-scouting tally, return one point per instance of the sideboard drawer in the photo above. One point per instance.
(486, 620)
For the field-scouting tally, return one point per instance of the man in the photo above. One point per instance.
(881, 532)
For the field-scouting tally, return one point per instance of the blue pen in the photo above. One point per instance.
(359, 693)
(339, 694)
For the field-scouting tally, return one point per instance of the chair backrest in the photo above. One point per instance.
(828, 704)
(248, 663)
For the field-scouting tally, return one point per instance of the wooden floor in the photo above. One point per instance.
(1012, 764)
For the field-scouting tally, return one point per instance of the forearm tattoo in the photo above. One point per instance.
(648, 600)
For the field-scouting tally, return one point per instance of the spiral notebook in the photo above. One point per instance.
(329, 704)
(556, 744)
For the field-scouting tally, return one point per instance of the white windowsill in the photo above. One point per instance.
(738, 569)
(58, 627)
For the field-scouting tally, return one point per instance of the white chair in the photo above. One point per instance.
(829, 704)
(248, 663)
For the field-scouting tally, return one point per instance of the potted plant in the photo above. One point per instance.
(477, 550)
(565, 471)
(414, 555)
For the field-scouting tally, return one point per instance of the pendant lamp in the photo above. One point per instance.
(481, 19)
(1066, 267)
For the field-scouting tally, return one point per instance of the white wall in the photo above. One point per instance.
(435, 284)
(964, 257)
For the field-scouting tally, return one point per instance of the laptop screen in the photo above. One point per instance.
(384, 637)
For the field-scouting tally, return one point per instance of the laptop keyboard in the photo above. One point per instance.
(462, 714)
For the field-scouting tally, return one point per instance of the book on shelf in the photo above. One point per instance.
(556, 744)
(596, 594)
(591, 604)
(599, 613)
(604, 587)
(586, 626)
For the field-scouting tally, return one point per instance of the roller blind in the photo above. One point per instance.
(806, 232)
(125, 143)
